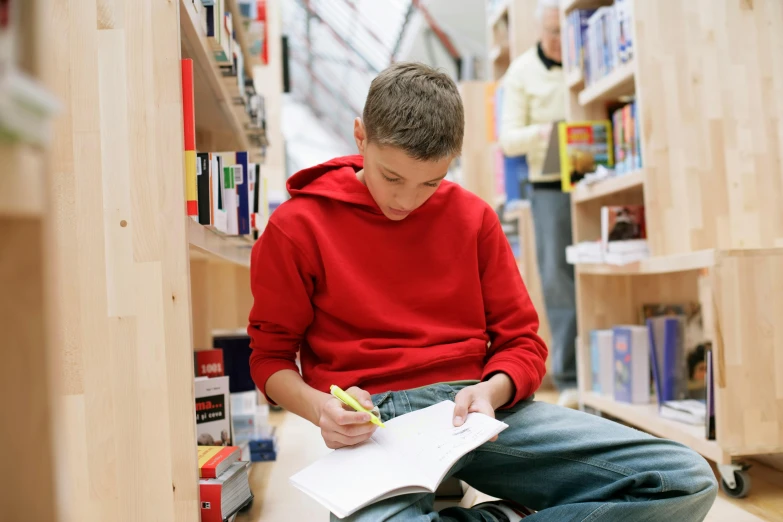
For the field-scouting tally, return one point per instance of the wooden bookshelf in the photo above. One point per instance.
(569, 5)
(608, 187)
(705, 245)
(655, 265)
(646, 416)
(615, 85)
(215, 96)
(207, 243)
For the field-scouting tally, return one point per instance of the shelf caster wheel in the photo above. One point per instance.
(735, 481)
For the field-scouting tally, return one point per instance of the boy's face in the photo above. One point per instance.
(398, 183)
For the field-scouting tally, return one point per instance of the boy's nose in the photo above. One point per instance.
(406, 202)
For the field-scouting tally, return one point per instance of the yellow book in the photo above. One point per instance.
(583, 146)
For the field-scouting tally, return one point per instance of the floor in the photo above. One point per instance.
(300, 443)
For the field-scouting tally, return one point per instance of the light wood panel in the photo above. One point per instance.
(712, 122)
(749, 351)
(477, 160)
(268, 80)
(524, 28)
(125, 406)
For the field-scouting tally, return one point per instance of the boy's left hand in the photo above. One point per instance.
(483, 397)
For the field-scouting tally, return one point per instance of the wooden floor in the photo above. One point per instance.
(300, 444)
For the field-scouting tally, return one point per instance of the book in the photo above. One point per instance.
(221, 498)
(695, 343)
(667, 357)
(213, 414)
(414, 453)
(242, 182)
(709, 422)
(204, 188)
(688, 411)
(219, 213)
(584, 145)
(214, 460)
(602, 345)
(230, 200)
(621, 223)
(631, 364)
(189, 120)
(209, 363)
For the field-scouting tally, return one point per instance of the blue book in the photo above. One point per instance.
(667, 357)
(631, 364)
(242, 183)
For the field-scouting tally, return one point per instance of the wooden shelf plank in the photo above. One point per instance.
(614, 85)
(645, 417)
(22, 183)
(655, 265)
(575, 79)
(631, 181)
(569, 5)
(214, 101)
(499, 51)
(205, 242)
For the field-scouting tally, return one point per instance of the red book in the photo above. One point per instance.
(209, 363)
(189, 120)
(214, 460)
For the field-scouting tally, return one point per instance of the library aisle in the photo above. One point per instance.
(623, 161)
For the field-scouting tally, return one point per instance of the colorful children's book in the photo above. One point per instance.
(631, 364)
(584, 145)
(666, 354)
(622, 223)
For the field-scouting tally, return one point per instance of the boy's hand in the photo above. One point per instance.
(483, 397)
(343, 426)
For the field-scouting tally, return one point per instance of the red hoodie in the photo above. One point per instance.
(388, 305)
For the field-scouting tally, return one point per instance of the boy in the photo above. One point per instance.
(390, 281)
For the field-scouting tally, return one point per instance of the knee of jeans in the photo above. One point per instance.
(692, 474)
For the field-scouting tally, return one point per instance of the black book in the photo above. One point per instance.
(204, 188)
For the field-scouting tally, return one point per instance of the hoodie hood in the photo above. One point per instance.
(336, 179)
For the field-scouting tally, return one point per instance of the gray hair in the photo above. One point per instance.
(543, 5)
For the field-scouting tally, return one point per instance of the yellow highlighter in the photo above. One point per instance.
(353, 403)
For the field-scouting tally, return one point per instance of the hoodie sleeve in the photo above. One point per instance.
(512, 320)
(282, 282)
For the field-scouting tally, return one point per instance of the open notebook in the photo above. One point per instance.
(412, 454)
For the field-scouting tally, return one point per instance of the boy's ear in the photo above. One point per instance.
(360, 135)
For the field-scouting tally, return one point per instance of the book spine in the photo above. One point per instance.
(242, 182)
(211, 502)
(189, 120)
(204, 189)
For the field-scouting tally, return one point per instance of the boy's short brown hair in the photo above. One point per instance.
(416, 108)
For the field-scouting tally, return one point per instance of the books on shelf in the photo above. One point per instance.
(627, 146)
(576, 37)
(607, 42)
(602, 357)
(623, 238)
(584, 145)
(631, 364)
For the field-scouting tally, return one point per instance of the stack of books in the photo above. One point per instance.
(224, 487)
(607, 43)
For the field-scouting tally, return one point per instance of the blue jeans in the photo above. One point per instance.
(551, 211)
(565, 464)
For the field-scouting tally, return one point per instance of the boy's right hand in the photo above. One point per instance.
(343, 426)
